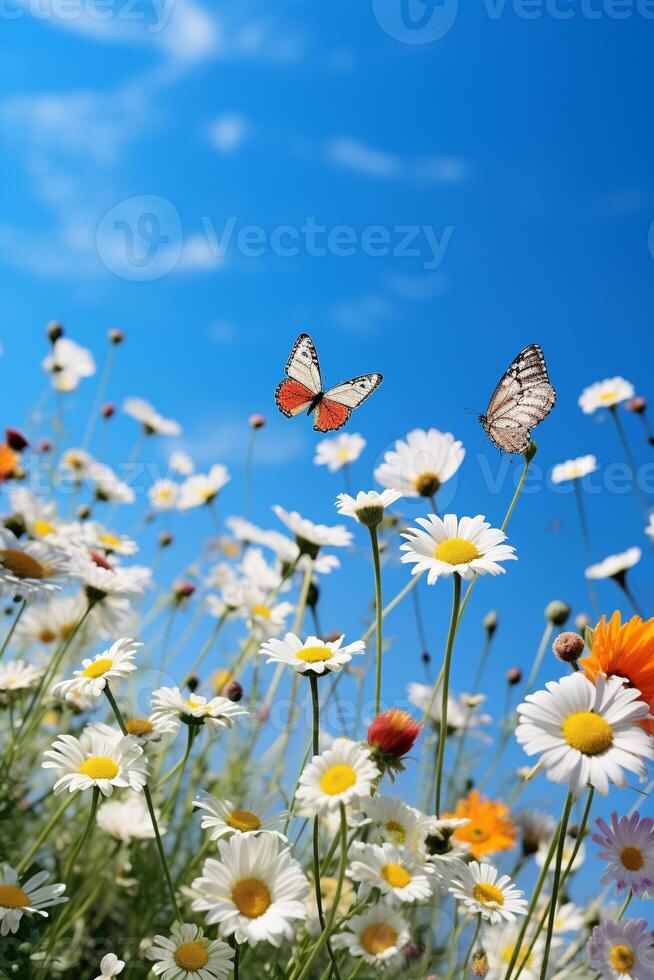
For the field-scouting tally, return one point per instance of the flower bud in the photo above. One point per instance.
(582, 622)
(479, 964)
(637, 405)
(393, 733)
(530, 451)
(115, 336)
(44, 446)
(490, 622)
(183, 589)
(108, 410)
(568, 647)
(165, 539)
(100, 561)
(513, 676)
(558, 612)
(257, 421)
(234, 691)
(16, 440)
(83, 512)
(54, 331)
(193, 682)
(333, 636)
(425, 656)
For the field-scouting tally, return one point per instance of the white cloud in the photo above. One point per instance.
(364, 314)
(227, 132)
(222, 441)
(352, 154)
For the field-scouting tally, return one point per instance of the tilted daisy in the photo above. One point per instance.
(615, 566)
(343, 449)
(628, 849)
(421, 464)
(310, 537)
(110, 966)
(152, 422)
(377, 936)
(468, 546)
(170, 705)
(401, 876)
(255, 892)
(264, 617)
(483, 893)
(202, 488)
(96, 761)
(462, 710)
(392, 821)
(622, 950)
(187, 954)
(499, 946)
(570, 845)
(16, 677)
(313, 655)
(336, 776)
(536, 828)
(574, 469)
(96, 536)
(107, 485)
(163, 495)
(31, 570)
(51, 622)
(36, 513)
(605, 394)
(180, 463)
(68, 363)
(29, 897)
(110, 665)
(222, 819)
(368, 506)
(586, 734)
(128, 818)
(328, 888)
(649, 530)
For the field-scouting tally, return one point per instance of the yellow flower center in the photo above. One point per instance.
(487, 894)
(477, 833)
(22, 565)
(251, 897)
(260, 610)
(66, 630)
(47, 636)
(621, 958)
(191, 956)
(42, 528)
(343, 455)
(110, 540)
(607, 396)
(13, 897)
(243, 820)
(396, 831)
(587, 732)
(98, 667)
(314, 655)
(426, 484)
(139, 727)
(632, 858)
(99, 767)
(395, 875)
(337, 779)
(377, 938)
(456, 551)
(508, 951)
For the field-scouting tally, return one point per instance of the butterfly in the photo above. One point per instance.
(522, 399)
(301, 390)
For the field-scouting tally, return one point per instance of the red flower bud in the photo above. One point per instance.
(108, 410)
(393, 732)
(257, 421)
(183, 589)
(16, 440)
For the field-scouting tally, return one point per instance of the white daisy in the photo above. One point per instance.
(163, 495)
(628, 849)
(16, 677)
(499, 946)
(339, 451)
(367, 507)
(128, 818)
(96, 761)
(18, 898)
(378, 937)
(190, 955)
(622, 950)
(201, 489)
(574, 469)
(314, 535)
(615, 566)
(180, 463)
(38, 516)
(570, 844)
(171, 706)
(152, 422)
(536, 829)
(419, 466)
(96, 536)
(254, 892)
(401, 876)
(462, 711)
(96, 672)
(110, 966)
(102, 580)
(328, 888)
(483, 893)
(586, 734)
(605, 394)
(265, 618)
(649, 530)
(68, 363)
(338, 775)
(75, 463)
(107, 486)
(467, 546)
(222, 819)
(392, 821)
(568, 918)
(29, 569)
(313, 655)
(50, 623)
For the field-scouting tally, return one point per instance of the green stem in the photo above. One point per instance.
(411, 584)
(378, 607)
(625, 906)
(10, 631)
(247, 478)
(464, 971)
(556, 883)
(454, 622)
(195, 666)
(538, 659)
(45, 833)
(630, 457)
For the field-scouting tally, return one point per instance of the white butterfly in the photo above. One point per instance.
(522, 399)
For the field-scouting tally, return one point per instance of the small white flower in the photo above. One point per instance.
(75, 462)
(152, 422)
(110, 966)
(68, 364)
(18, 898)
(96, 761)
(483, 893)
(96, 672)
(401, 876)
(223, 820)
(467, 546)
(649, 530)
(499, 945)
(367, 507)
(622, 950)
(419, 466)
(313, 655)
(171, 706)
(180, 463)
(628, 849)
(378, 937)
(190, 955)
(51, 622)
(317, 535)
(392, 821)
(128, 818)
(461, 713)
(339, 451)
(107, 486)
(338, 775)
(29, 569)
(163, 495)
(16, 676)
(202, 488)
(574, 469)
(38, 515)
(615, 565)
(570, 844)
(605, 394)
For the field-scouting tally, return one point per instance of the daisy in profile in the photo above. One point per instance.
(468, 546)
(68, 363)
(110, 966)
(570, 845)
(74, 463)
(338, 775)
(187, 954)
(180, 463)
(202, 488)
(51, 622)
(96, 761)
(628, 849)
(392, 821)
(484, 894)
(30, 897)
(622, 950)
(152, 422)
(223, 820)
(38, 515)
(615, 566)
(574, 469)
(255, 892)
(113, 663)
(401, 876)
(340, 451)
(163, 495)
(107, 485)
(264, 616)
(462, 711)
(313, 655)
(649, 530)
(605, 394)
(419, 465)
(586, 734)
(368, 506)
(173, 707)
(17, 677)
(128, 818)
(488, 829)
(499, 946)
(536, 828)
(310, 537)
(31, 570)
(377, 936)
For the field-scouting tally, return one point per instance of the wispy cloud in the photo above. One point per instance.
(352, 154)
(228, 132)
(364, 315)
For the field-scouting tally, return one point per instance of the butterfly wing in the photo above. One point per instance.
(303, 364)
(338, 403)
(292, 397)
(521, 400)
(330, 416)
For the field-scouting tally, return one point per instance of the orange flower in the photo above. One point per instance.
(8, 461)
(624, 650)
(490, 829)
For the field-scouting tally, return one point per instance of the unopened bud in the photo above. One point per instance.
(44, 446)
(573, 831)
(513, 676)
(165, 539)
(558, 612)
(637, 405)
(54, 331)
(530, 451)
(193, 682)
(115, 336)
(333, 636)
(183, 589)
(425, 656)
(490, 622)
(582, 621)
(393, 733)
(16, 440)
(479, 964)
(568, 647)
(257, 421)
(234, 691)
(108, 410)
(83, 512)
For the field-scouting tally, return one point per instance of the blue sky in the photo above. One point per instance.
(518, 152)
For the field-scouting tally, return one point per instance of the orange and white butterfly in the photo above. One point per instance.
(301, 389)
